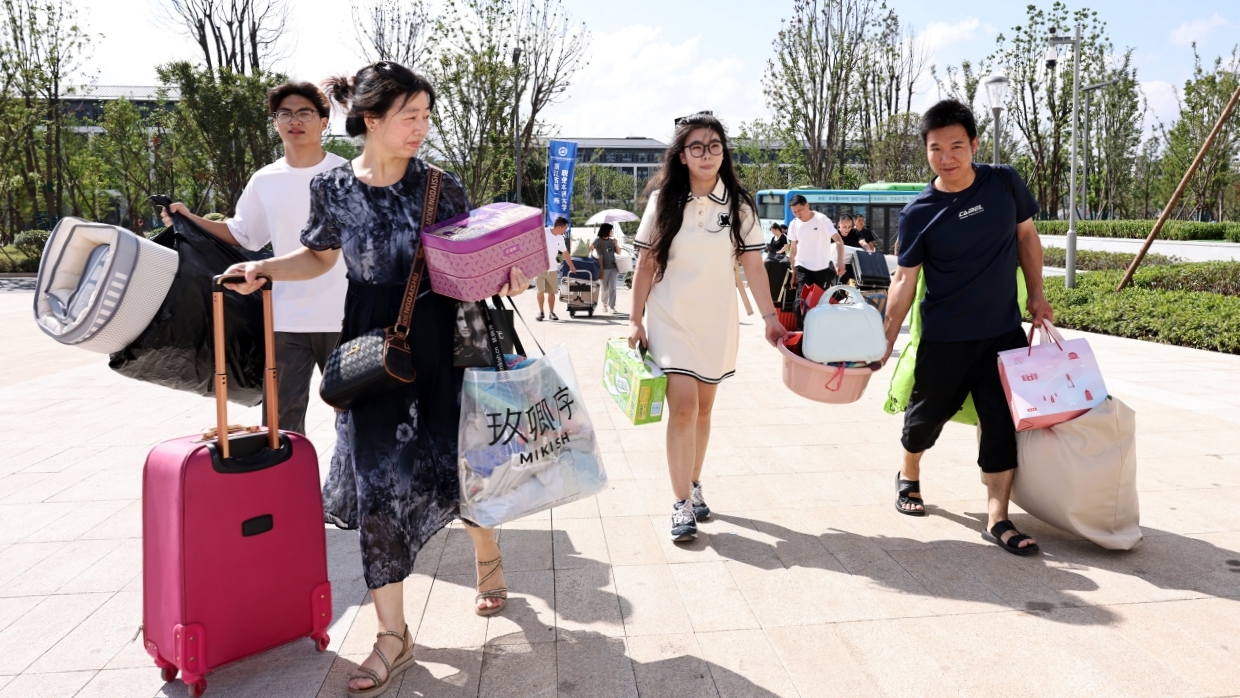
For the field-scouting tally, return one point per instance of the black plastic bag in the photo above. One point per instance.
(177, 349)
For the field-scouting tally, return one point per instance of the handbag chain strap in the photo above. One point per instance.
(430, 207)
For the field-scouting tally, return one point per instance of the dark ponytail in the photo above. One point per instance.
(373, 92)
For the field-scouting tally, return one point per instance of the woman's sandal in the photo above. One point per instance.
(501, 593)
(995, 535)
(403, 661)
(903, 487)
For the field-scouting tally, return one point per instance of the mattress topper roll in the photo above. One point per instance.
(99, 285)
(176, 350)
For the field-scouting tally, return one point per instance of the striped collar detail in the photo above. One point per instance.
(719, 194)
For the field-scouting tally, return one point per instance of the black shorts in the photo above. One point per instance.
(945, 374)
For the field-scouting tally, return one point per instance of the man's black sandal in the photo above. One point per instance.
(903, 487)
(1013, 544)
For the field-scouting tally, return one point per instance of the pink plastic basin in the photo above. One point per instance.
(822, 383)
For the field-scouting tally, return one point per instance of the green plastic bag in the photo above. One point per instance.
(902, 378)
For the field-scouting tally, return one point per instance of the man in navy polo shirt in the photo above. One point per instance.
(967, 231)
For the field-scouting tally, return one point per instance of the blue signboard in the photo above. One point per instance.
(561, 162)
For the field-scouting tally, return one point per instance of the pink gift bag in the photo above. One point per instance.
(469, 256)
(1051, 382)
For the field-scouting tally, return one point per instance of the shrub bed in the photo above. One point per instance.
(1205, 277)
(1139, 229)
(1151, 308)
(1095, 260)
(31, 243)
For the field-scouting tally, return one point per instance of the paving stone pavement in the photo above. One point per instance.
(805, 583)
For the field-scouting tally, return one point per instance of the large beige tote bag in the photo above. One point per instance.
(1081, 475)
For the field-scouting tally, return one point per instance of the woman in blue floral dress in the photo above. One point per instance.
(394, 471)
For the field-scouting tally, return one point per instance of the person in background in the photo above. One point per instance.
(852, 235)
(776, 261)
(273, 209)
(778, 244)
(548, 283)
(697, 225)
(606, 248)
(864, 235)
(968, 231)
(849, 236)
(817, 250)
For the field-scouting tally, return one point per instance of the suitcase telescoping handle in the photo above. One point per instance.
(269, 364)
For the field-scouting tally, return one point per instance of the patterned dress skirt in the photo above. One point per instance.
(394, 472)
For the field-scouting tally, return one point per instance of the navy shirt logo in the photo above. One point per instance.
(971, 212)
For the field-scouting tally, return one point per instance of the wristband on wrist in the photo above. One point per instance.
(769, 315)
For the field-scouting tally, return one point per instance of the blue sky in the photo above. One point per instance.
(652, 60)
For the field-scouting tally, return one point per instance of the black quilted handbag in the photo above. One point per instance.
(379, 361)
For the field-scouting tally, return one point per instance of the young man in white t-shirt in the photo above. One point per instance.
(816, 250)
(273, 209)
(548, 282)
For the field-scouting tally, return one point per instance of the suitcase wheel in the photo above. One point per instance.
(197, 688)
(168, 674)
(321, 642)
(590, 313)
(572, 313)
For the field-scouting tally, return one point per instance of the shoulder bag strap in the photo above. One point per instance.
(430, 207)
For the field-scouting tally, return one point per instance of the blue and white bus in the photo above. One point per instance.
(880, 203)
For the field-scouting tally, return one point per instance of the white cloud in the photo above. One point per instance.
(639, 80)
(940, 34)
(1198, 29)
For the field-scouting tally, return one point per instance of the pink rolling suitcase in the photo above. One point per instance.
(234, 552)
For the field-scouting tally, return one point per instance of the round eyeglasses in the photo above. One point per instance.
(697, 150)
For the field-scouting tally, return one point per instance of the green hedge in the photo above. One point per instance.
(1147, 310)
(19, 264)
(1094, 260)
(31, 243)
(1172, 230)
(1204, 277)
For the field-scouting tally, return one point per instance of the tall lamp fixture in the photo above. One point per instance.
(997, 87)
(1052, 56)
(516, 117)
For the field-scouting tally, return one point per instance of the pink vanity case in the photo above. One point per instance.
(469, 256)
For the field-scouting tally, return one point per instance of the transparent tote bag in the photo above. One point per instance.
(526, 440)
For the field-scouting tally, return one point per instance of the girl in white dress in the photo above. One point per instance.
(698, 223)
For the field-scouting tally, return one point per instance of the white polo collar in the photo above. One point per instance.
(719, 194)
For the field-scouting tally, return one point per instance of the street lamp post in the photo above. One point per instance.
(516, 118)
(1089, 90)
(1070, 256)
(997, 91)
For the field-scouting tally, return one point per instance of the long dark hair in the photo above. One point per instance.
(374, 90)
(673, 185)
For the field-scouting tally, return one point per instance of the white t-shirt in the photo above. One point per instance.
(815, 249)
(273, 209)
(555, 245)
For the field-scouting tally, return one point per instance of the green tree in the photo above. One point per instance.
(1116, 123)
(1040, 103)
(42, 46)
(808, 82)
(764, 160)
(597, 187)
(225, 116)
(1201, 103)
(475, 79)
